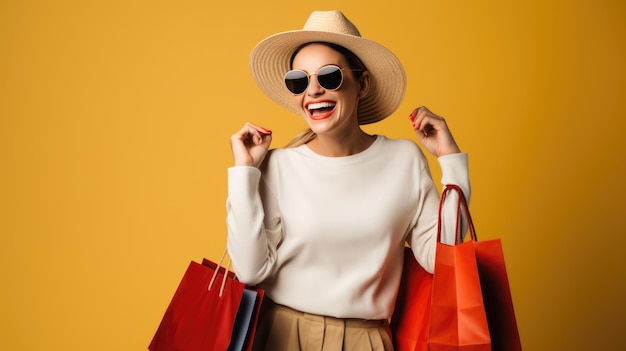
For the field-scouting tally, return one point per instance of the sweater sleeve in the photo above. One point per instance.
(423, 237)
(454, 170)
(252, 246)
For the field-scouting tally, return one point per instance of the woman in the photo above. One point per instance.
(321, 225)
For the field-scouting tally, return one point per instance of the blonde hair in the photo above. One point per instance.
(302, 138)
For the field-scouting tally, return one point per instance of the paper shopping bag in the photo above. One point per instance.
(244, 327)
(459, 302)
(411, 315)
(458, 320)
(494, 282)
(203, 311)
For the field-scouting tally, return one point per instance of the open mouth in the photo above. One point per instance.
(320, 110)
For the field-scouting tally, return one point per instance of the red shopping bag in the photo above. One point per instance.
(247, 316)
(458, 320)
(203, 312)
(411, 315)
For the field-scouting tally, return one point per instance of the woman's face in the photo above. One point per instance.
(328, 111)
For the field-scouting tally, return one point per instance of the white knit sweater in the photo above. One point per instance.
(325, 235)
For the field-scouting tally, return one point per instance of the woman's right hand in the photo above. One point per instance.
(250, 144)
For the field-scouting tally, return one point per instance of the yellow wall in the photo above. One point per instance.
(114, 125)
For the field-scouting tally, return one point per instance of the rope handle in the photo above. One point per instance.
(461, 205)
(217, 269)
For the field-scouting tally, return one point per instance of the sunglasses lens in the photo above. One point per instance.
(296, 81)
(330, 77)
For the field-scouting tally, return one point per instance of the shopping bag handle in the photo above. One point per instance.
(462, 205)
(217, 269)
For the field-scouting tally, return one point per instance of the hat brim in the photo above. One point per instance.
(269, 61)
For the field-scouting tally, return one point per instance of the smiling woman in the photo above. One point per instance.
(322, 225)
(114, 117)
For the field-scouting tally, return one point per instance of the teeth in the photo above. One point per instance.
(319, 105)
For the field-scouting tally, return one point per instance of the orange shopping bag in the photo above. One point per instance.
(458, 320)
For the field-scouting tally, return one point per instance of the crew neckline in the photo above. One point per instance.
(372, 148)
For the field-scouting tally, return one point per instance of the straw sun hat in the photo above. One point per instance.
(269, 61)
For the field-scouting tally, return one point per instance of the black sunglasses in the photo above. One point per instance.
(329, 77)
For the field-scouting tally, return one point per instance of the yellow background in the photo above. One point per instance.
(114, 125)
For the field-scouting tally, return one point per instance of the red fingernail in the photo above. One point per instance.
(267, 131)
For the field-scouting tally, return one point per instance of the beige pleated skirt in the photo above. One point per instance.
(281, 328)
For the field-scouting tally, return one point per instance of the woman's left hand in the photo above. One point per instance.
(432, 131)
